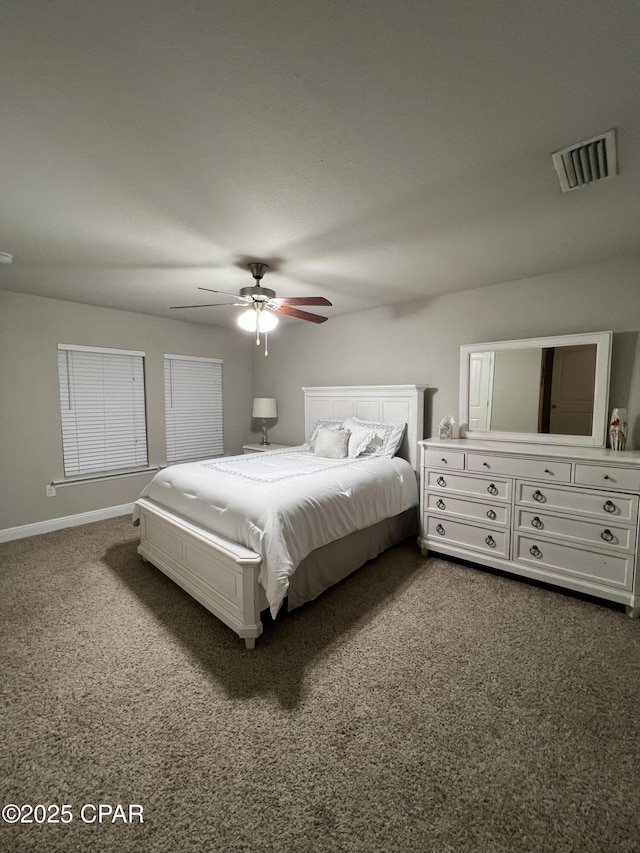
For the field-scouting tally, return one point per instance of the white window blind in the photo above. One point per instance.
(193, 407)
(102, 408)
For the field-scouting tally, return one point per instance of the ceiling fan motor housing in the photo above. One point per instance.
(260, 294)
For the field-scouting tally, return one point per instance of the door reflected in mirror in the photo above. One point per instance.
(548, 390)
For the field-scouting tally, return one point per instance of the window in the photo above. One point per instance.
(193, 407)
(102, 408)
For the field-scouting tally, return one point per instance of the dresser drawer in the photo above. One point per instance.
(444, 459)
(462, 508)
(465, 484)
(615, 570)
(608, 477)
(602, 505)
(602, 535)
(514, 466)
(484, 539)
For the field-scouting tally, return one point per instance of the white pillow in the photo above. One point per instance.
(387, 437)
(332, 443)
(359, 440)
(310, 445)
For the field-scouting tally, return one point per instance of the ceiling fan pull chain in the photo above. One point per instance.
(266, 345)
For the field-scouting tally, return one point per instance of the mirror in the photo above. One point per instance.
(553, 390)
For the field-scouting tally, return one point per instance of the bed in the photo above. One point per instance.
(240, 534)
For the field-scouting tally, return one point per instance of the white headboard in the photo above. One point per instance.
(388, 403)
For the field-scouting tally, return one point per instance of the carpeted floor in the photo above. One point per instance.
(419, 706)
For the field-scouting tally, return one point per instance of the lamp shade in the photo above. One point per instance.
(265, 407)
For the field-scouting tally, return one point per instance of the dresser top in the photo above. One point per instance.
(624, 458)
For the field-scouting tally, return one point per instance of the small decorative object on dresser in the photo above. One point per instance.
(445, 428)
(618, 429)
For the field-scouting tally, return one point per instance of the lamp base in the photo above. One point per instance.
(265, 438)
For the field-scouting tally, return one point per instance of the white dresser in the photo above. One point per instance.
(564, 515)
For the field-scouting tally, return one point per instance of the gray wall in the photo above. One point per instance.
(419, 342)
(30, 329)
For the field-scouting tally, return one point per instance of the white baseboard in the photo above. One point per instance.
(39, 527)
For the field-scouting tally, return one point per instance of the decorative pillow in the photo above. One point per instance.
(387, 437)
(332, 443)
(359, 440)
(310, 445)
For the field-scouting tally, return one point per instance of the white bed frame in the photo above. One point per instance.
(223, 575)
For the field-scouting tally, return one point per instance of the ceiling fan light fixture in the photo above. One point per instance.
(257, 321)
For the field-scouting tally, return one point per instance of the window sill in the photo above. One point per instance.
(109, 475)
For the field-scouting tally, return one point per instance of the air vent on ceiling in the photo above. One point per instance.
(587, 161)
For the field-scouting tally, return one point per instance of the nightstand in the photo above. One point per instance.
(260, 448)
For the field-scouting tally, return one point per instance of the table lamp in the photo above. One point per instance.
(265, 407)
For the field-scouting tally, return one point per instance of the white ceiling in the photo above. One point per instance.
(372, 152)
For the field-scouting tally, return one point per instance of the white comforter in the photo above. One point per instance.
(283, 504)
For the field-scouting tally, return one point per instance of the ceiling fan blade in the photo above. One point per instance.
(208, 305)
(301, 315)
(223, 292)
(302, 300)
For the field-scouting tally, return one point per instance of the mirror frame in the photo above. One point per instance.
(598, 437)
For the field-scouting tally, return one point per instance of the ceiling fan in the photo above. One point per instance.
(263, 305)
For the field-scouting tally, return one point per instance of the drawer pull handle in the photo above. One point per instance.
(486, 464)
(538, 496)
(444, 460)
(491, 542)
(440, 530)
(441, 481)
(607, 477)
(535, 522)
(547, 471)
(609, 506)
(491, 514)
(492, 489)
(535, 551)
(441, 504)
(607, 535)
